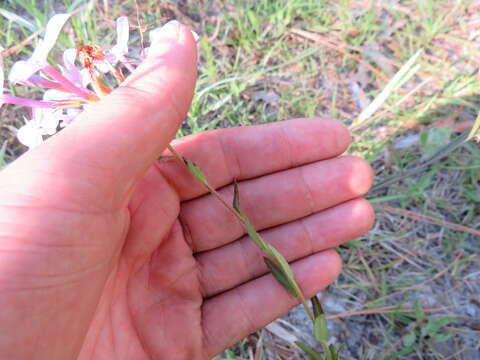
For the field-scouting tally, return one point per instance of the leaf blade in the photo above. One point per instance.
(320, 329)
(278, 273)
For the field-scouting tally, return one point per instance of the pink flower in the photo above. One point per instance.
(80, 78)
(119, 51)
(70, 89)
(22, 70)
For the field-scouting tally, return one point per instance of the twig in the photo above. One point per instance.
(323, 41)
(24, 42)
(382, 310)
(425, 218)
(433, 278)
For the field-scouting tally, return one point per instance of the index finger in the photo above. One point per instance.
(241, 153)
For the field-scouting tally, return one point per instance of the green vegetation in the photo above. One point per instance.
(410, 287)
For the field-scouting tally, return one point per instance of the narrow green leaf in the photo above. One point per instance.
(419, 313)
(250, 76)
(401, 77)
(280, 276)
(333, 353)
(316, 306)
(195, 170)
(76, 4)
(256, 238)
(254, 235)
(434, 325)
(314, 355)
(287, 270)
(17, 19)
(33, 10)
(320, 329)
(434, 140)
(403, 352)
(279, 266)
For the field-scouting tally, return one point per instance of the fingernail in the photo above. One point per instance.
(170, 30)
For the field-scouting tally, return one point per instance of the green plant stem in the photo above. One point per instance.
(215, 193)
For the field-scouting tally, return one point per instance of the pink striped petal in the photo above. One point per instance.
(13, 100)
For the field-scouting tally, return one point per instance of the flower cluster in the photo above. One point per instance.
(68, 88)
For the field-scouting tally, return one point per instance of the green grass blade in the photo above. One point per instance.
(209, 88)
(401, 77)
(253, 233)
(320, 329)
(32, 8)
(195, 171)
(279, 274)
(311, 352)
(283, 264)
(18, 20)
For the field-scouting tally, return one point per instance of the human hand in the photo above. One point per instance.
(107, 253)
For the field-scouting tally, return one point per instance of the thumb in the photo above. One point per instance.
(129, 128)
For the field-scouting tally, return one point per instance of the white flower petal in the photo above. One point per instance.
(115, 54)
(86, 78)
(21, 71)
(102, 67)
(54, 26)
(70, 116)
(39, 56)
(37, 117)
(53, 94)
(70, 71)
(69, 56)
(153, 34)
(29, 135)
(120, 49)
(50, 124)
(46, 120)
(122, 33)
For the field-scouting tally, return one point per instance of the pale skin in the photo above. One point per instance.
(107, 253)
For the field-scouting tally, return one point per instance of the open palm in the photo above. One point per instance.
(110, 254)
